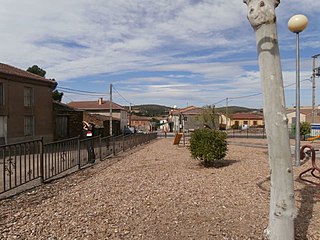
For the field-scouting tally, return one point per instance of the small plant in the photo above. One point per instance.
(305, 129)
(208, 145)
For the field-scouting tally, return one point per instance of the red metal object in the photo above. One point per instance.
(314, 167)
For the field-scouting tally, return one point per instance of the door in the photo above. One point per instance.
(3, 130)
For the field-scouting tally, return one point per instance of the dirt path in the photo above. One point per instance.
(157, 191)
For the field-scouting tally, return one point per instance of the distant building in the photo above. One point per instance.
(102, 107)
(141, 123)
(305, 115)
(247, 119)
(192, 117)
(25, 106)
(67, 121)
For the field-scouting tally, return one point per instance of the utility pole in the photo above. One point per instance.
(110, 110)
(227, 113)
(130, 112)
(314, 87)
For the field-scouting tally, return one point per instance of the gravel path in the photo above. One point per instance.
(157, 191)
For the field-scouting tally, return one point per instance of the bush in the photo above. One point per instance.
(305, 128)
(208, 145)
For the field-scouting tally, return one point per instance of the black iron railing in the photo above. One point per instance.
(24, 162)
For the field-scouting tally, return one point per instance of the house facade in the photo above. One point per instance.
(305, 115)
(102, 107)
(67, 121)
(191, 118)
(247, 119)
(25, 106)
(140, 123)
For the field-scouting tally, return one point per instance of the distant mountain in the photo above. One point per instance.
(154, 110)
(236, 109)
(150, 110)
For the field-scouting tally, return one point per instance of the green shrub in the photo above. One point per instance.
(208, 145)
(305, 128)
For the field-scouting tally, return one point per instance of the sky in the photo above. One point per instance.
(167, 52)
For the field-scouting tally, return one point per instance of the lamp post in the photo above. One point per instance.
(297, 24)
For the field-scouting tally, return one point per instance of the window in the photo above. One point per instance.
(236, 123)
(28, 96)
(245, 122)
(185, 119)
(1, 94)
(28, 125)
(255, 123)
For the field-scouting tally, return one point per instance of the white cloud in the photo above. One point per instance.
(200, 48)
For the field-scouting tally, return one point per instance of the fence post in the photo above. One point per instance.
(79, 164)
(100, 147)
(41, 161)
(123, 143)
(113, 145)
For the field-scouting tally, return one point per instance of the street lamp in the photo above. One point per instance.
(297, 24)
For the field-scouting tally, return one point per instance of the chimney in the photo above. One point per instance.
(100, 101)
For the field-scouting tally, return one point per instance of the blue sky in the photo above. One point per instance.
(181, 52)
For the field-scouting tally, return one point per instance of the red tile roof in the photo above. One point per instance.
(10, 70)
(94, 105)
(245, 116)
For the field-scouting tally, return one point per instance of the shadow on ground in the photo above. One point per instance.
(308, 198)
(219, 163)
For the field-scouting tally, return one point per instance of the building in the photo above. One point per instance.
(67, 121)
(140, 123)
(25, 106)
(247, 119)
(102, 107)
(305, 115)
(102, 124)
(191, 118)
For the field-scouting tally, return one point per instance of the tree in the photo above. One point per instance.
(262, 17)
(56, 95)
(208, 145)
(209, 117)
(36, 70)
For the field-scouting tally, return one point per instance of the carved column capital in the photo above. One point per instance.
(261, 12)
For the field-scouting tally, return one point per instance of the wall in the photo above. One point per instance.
(15, 110)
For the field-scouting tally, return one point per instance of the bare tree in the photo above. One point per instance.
(262, 17)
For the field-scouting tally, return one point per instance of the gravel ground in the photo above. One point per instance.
(157, 191)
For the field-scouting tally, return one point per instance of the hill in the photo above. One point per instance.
(154, 110)
(236, 109)
(150, 110)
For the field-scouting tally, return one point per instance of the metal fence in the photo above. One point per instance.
(247, 133)
(33, 161)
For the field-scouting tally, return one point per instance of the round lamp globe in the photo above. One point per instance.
(297, 23)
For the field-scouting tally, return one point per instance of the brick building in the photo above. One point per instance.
(25, 105)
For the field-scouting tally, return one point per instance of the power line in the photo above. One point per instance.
(122, 96)
(80, 91)
(85, 94)
(257, 94)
